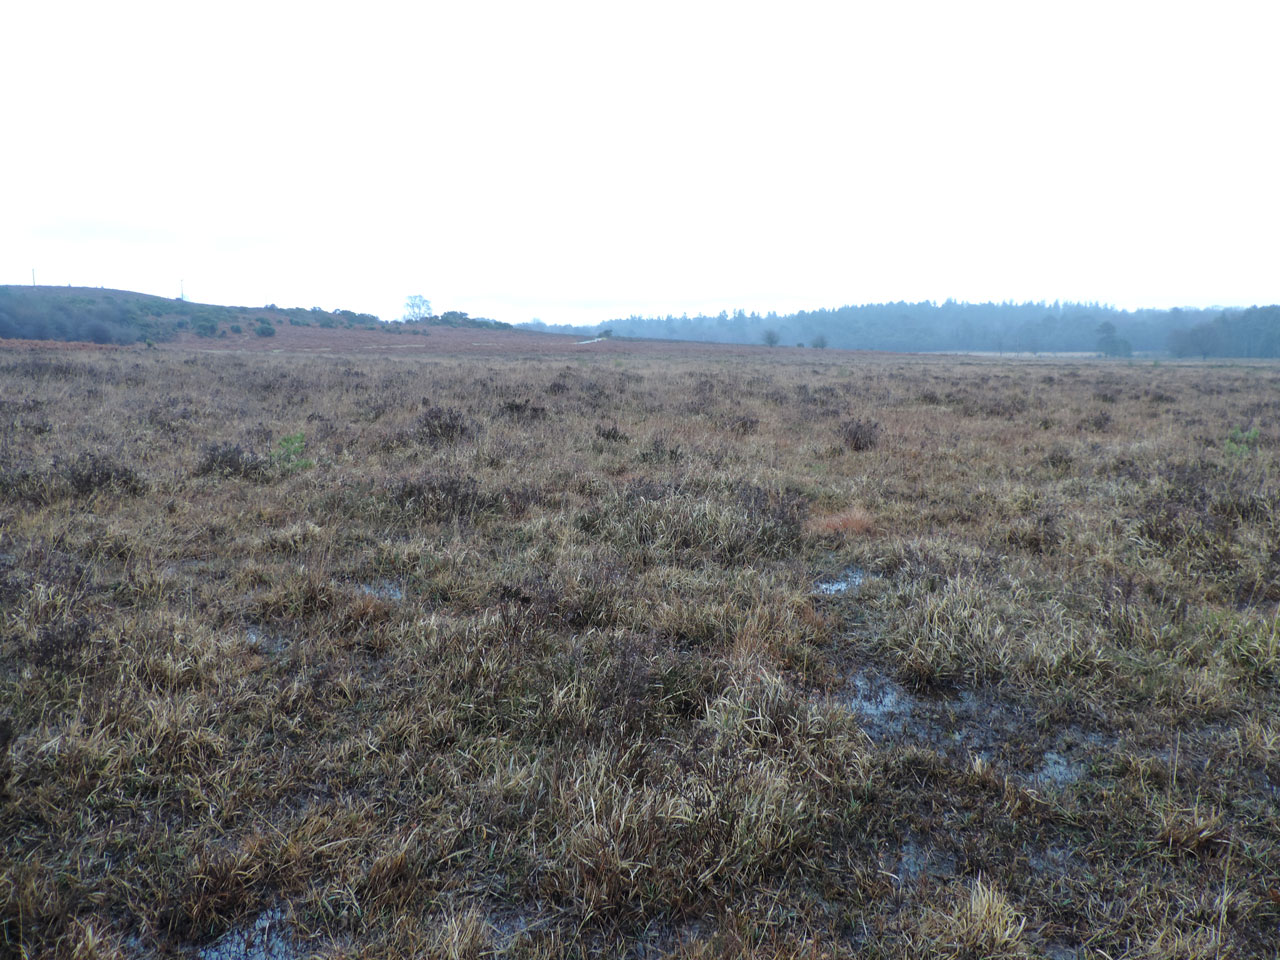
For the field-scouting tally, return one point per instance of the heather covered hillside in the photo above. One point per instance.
(98, 315)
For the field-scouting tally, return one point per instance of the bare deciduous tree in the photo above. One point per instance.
(417, 307)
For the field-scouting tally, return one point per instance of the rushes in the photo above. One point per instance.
(739, 525)
(957, 634)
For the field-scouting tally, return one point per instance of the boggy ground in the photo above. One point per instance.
(494, 656)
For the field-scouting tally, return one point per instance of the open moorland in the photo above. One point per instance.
(542, 653)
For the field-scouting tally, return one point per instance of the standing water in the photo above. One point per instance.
(847, 582)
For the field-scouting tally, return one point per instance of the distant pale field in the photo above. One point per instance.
(450, 341)
(494, 644)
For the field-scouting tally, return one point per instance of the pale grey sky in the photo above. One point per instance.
(576, 161)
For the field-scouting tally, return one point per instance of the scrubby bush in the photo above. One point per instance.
(436, 425)
(860, 434)
(91, 472)
(524, 411)
(233, 460)
(743, 424)
(21, 482)
(437, 497)
(611, 433)
(98, 332)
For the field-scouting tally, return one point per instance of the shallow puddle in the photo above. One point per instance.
(847, 582)
(269, 937)
(971, 725)
(265, 642)
(383, 590)
(884, 705)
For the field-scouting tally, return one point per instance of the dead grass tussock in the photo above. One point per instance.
(980, 924)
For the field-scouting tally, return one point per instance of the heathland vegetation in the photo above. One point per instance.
(756, 653)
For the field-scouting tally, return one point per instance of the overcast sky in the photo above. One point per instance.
(580, 161)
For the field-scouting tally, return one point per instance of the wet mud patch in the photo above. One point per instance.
(1057, 951)
(519, 929)
(1058, 770)
(512, 926)
(269, 936)
(921, 858)
(917, 860)
(1014, 739)
(883, 706)
(664, 939)
(1055, 861)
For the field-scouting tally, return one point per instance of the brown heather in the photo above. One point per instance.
(525, 656)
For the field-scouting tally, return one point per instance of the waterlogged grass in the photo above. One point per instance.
(790, 655)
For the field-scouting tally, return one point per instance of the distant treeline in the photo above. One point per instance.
(999, 327)
(450, 318)
(120, 316)
(1233, 333)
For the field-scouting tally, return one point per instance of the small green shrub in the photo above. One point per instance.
(289, 456)
(266, 330)
(1241, 443)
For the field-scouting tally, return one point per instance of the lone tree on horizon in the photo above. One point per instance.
(417, 307)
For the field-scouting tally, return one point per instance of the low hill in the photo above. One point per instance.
(98, 315)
